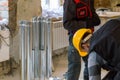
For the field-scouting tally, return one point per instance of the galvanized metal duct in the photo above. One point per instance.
(36, 49)
(25, 48)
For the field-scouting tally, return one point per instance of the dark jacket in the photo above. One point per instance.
(106, 42)
(70, 20)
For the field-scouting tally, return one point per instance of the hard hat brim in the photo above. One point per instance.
(77, 39)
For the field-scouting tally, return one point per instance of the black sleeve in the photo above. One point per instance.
(70, 21)
(95, 20)
(92, 6)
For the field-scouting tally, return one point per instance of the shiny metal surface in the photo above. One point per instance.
(36, 49)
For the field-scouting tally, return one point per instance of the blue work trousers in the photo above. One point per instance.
(74, 62)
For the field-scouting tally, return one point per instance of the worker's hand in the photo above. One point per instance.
(85, 47)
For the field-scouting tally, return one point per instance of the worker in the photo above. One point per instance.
(103, 49)
(78, 14)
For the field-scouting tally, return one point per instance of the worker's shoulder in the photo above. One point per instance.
(114, 20)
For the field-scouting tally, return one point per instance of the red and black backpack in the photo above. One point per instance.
(83, 9)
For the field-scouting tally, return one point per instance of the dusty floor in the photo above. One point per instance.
(60, 67)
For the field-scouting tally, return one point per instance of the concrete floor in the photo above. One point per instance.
(60, 63)
(60, 67)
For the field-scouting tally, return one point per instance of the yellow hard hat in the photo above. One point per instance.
(77, 38)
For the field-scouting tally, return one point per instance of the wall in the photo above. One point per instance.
(102, 3)
(106, 3)
(20, 10)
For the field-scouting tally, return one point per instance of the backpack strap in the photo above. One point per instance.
(90, 9)
(77, 1)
